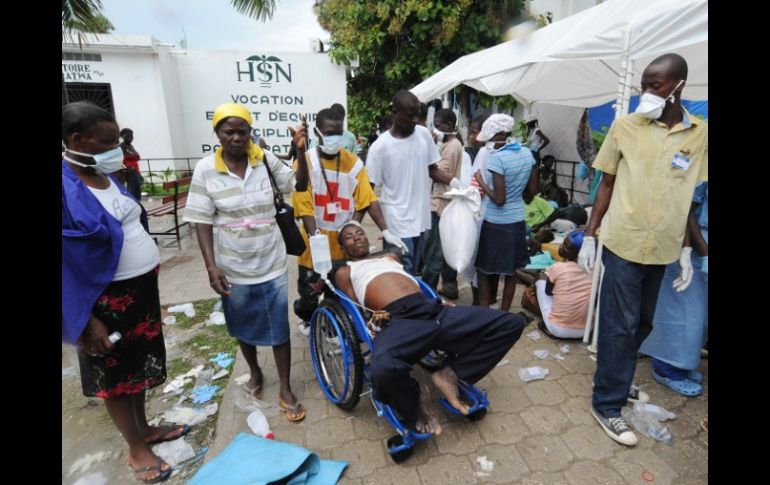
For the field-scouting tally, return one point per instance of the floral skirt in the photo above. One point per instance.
(138, 360)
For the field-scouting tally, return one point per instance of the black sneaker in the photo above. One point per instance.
(616, 428)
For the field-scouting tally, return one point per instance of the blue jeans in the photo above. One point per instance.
(629, 294)
(415, 245)
(435, 265)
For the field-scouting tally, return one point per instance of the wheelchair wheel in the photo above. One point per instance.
(399, 456)
(336, 354)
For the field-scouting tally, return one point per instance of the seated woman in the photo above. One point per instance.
(474, 338)
(563, 292)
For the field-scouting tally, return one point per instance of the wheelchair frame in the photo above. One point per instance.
(400, 445)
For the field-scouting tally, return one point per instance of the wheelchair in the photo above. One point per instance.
(341, 346)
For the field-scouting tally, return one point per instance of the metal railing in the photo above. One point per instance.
(572, 190)
(156, 178)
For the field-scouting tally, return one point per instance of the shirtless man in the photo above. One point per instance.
(475, 339)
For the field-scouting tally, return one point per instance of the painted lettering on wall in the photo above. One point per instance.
(265, 70)
(79, 72)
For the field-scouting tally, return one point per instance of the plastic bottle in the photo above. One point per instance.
(647, 425)
(527, 374)
(319, 250)
(657, 412)
(258, 424)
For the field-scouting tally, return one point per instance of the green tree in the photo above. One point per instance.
(399, 43)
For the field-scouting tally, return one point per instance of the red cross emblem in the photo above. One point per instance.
(323, 200)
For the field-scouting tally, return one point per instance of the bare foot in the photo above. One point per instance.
(427, 422)
(445, 380)
(255, 383)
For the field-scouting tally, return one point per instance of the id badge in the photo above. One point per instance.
(681, 162)
(333, 208)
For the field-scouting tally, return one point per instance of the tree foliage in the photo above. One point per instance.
(399, 43)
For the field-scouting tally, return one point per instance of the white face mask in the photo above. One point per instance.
(651, 106)
(440, 134)
(106, 162)
(331, 143)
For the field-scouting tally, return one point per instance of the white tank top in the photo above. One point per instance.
(364, 271)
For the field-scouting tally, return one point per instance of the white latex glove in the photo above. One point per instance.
(394, 240)
(685, 270)
(587, 254)
(455, 183)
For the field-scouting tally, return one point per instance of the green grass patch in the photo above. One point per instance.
(203, 309)
(215, 338)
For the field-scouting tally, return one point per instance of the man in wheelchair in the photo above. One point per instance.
(474, 339)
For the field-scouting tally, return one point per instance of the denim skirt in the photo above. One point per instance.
(259, 314)
(502, 248)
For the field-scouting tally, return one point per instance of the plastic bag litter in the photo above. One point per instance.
(216, 318)
(486, 466)
(534, 335)
(646, 424)
(217, 306)
(176, 385)
(541, 354)
(189, 416)
(169, 320)
(220, 374)
(558, 356)
(68, 372)
(96, 478)
(457, 227)
(527, 374)
(658, 412)
(187, 308)
(204, 378)
(174, 452)
(564, 349)
(246, 402)
(242, 379)
(503, 362)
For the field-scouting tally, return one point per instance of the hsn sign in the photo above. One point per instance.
(268, 70)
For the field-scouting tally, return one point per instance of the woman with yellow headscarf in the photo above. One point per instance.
(231, 203)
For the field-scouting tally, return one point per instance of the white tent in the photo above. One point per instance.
(588, 58)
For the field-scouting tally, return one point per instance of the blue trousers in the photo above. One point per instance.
(411, 260)
(475, 339)
(629, 294)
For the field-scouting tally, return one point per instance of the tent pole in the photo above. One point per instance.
(621, 106)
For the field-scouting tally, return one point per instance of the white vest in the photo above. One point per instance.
(333, 210)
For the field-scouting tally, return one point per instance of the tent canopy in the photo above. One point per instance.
(578, 61)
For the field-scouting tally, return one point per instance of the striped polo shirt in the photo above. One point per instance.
(246, 255)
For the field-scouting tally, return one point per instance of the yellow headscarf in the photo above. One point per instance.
(227, 110)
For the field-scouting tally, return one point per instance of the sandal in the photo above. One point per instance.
(695, 376)
(685, 387)
(184, 430)
(294, 412)
(164, 474)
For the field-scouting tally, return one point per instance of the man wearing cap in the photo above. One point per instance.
(651, 161)
(474, 338)
(246, 262)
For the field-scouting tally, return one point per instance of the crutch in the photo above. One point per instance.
(592, 304)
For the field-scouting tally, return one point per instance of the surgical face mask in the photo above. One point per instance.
(106, 162)
(331, 143)
(651, 106)
(440, 134)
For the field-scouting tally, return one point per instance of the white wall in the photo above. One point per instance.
(210, 78)
(167, 95)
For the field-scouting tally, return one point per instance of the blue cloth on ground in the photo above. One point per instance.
(540, 261)
(250, 459)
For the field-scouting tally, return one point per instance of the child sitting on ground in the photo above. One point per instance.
(563, 292)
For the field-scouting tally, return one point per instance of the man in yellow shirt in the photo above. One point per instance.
(339, 190)
(651, 161)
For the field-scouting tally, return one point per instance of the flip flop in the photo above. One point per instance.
(164, 474)
(685, 387)
(294, 413)
(164, 438)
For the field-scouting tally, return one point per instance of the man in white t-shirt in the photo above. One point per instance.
(402, 161)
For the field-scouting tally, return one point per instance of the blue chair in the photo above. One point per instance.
(338, 334)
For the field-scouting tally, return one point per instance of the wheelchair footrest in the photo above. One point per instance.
(471, 394)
